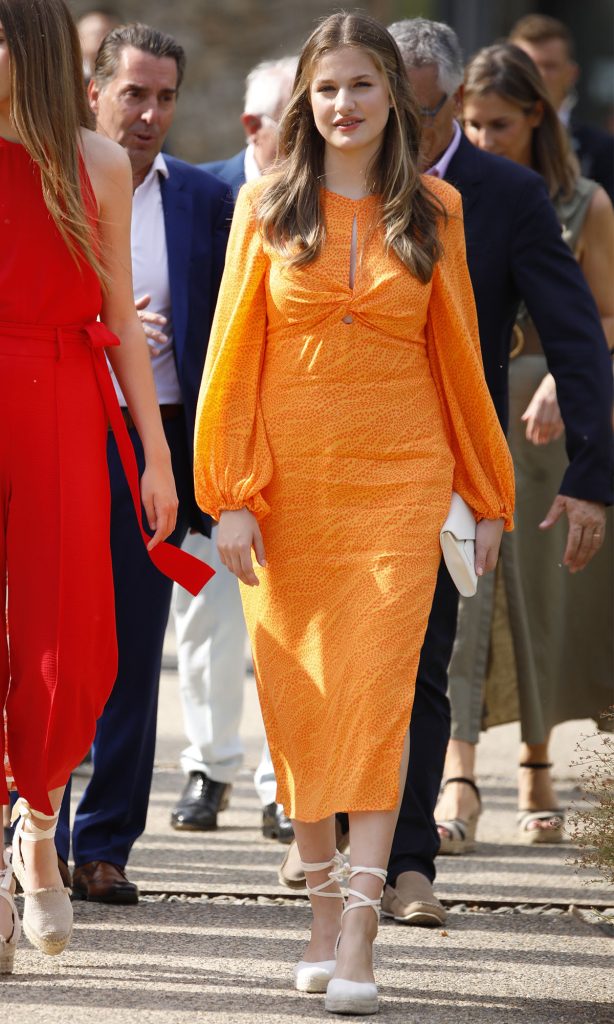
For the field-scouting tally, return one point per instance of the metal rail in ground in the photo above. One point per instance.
(462, 899)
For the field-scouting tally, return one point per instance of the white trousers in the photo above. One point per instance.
(264, 778)
(210, 632)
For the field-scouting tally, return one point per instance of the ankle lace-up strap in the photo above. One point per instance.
(6, 877)
(6, 893)
(23, 811)
(336, 863)
(364, 901)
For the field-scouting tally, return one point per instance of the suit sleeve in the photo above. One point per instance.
(232, 461)
(483, 473)
(564, 313)
(219, 243)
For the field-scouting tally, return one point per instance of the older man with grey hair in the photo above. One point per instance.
(211, 631)
(268, 88)
(514, 252)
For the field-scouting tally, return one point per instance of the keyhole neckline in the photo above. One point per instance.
(345, 199)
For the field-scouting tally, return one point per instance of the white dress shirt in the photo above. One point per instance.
(439, 170)
(252, 171)
(150, 275)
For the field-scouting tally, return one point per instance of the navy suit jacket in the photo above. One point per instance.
(232, 171)
(595, 151)
(515, 251)
(197, 212)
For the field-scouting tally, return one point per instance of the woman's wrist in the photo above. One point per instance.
(157, 453)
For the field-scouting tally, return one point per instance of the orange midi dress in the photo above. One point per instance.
(343, 418)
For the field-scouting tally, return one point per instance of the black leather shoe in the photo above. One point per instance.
(200, 803)
(275, 824)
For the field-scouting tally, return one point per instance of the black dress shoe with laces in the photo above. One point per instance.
(200, 803)
(275, 824)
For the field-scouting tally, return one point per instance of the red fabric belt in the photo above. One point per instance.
(185, 569)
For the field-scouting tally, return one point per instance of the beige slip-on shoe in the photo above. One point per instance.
(290, 871)
(411, 901)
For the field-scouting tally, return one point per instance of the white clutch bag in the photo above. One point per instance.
(457, 540)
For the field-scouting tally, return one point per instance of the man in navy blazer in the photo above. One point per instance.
(232, 171)
(210, 629)
(515, 251)
(180, 225)
(550, 44)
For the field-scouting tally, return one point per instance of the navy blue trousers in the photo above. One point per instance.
(112, 812)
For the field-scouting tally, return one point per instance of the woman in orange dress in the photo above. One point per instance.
(342, 401)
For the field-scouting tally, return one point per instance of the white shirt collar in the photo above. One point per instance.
(441, 167)
(158, 166)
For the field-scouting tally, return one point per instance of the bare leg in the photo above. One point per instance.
(535, 789)
(41, 859)
(316, 844)
(371, 834)
(458, 800)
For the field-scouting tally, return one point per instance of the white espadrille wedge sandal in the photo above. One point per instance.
(308, 976)
(357, 997)
(7, 891)
(47, 913)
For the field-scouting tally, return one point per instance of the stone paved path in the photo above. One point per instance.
(227, 957)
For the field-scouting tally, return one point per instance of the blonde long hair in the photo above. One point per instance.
(290, 209)
(48, 108)
(509, 72)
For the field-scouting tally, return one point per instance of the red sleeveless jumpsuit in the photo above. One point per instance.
(58, 657)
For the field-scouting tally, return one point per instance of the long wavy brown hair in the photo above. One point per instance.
(48, 107)
(509, 72)
(290, 209)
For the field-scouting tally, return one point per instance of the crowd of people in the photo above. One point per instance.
(310, 348)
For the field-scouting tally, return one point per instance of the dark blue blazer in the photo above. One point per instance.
(232, 171)
(515, 251)
(595, 151)
(197, 212)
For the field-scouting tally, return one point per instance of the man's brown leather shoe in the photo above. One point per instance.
(100, 882)
(65, 874)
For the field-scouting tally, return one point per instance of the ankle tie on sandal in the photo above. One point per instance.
(47, 915)
(337, 863)
(361, 899)
(23, 810)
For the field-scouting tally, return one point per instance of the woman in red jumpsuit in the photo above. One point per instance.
(65, 202)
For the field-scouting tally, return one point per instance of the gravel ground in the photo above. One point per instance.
(179, 960)
(183, 962)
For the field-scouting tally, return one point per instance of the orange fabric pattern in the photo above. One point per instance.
(343, 418)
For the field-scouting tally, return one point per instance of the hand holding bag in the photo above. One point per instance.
(457, 539)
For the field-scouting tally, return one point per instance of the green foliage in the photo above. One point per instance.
(592, 828)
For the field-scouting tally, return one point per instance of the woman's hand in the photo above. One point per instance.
(238, 532)
(159, 498)
(488, 533)
(542, 415)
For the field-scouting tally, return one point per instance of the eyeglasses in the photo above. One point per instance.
(433, 111)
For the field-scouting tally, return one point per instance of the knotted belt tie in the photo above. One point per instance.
(190, 572)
